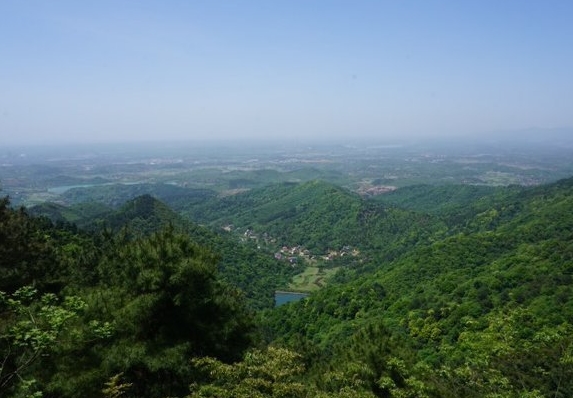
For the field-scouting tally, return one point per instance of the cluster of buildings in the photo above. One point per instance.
(293, 254)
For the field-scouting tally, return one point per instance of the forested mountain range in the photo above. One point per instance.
(457, 291)
(485, 311)
(319, 216)
(257, 274)
(115, 195)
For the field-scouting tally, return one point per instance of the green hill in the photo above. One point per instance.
(481, 312)
(144, 215)
(141, 215)
(257, 274)
(439, 199)
(115, 195)
(470, 295)
(77, 309)
(319, 215)
(78, 213)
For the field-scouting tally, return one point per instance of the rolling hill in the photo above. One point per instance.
(319, 215)
(485, 310)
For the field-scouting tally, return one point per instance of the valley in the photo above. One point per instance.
(371, 276)
(201, 182)
(286, 199)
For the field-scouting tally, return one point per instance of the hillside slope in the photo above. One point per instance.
(115, 195)
(320, 216)
(241, 264)
(484, 311)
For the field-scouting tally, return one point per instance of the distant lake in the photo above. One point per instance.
(286, 297)
(61, 189)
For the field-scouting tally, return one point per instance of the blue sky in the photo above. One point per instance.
(78, 71)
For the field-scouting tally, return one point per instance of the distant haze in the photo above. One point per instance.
(121, 71)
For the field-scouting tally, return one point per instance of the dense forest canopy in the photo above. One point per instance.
(288, 199)
(437, 291)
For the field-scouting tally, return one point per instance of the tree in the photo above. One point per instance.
(274, 372)
(26, 256)
(166, 305)
(31, 328)
(514, 355)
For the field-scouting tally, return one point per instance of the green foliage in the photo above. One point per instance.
(25, 253)
(275, 372)
(242, 265)
(441, 199)
(160, 304)
(497, 360)
(148, 305)
(77, 214)
(269, 373)
(33, 252)
(484, 310)
(116, 195)
(31, 328)
(114, 388)
(320, 216)
(482, 307)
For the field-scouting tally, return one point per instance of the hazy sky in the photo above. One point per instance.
(85, 71)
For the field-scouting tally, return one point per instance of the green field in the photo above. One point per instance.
(313, 278)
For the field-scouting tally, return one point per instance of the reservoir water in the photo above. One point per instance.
(286, 297)
(61, 189)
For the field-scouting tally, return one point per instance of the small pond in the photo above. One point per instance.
(286, 297)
